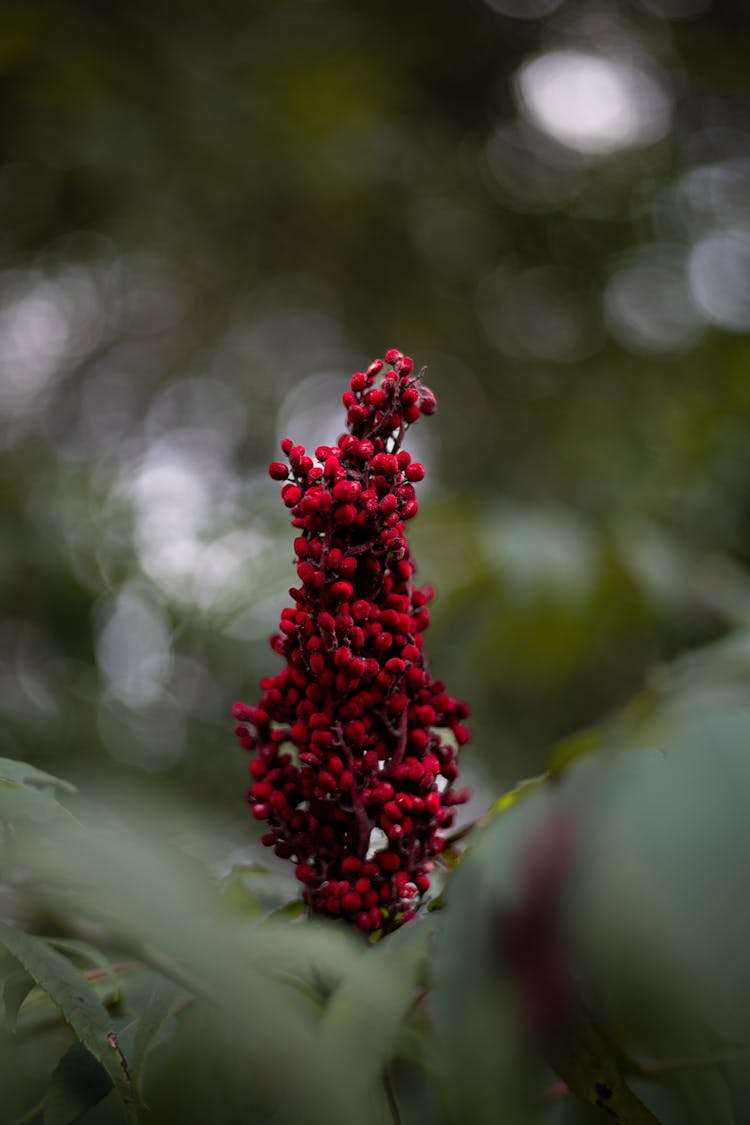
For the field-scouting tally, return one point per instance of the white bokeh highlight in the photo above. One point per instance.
(719, 278)
(591, 104)
(648, 304)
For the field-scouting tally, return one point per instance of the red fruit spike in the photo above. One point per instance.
(354, 698)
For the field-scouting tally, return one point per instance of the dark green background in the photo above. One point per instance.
(211, 214)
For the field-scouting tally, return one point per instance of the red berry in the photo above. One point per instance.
(290, 494)
(376, 398)
(355, 732)
(345, 515)
(344, 491)
(389, 861)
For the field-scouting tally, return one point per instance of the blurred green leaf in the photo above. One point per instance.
(88, 953)
(254, 889)
(655, 922)
(78, 1083)
(692, 1094)
(260, 975)
(29, 793)
(508, 799)
(16, 988)
(39, 1010)
(480, 1062)
(589, 1066)
(237, 900)
(79, 1004)
(657, 907)
(568, 749)
(161, 1005)
(288, 911)
(362, 1022)
(13, 772)
(514, 877)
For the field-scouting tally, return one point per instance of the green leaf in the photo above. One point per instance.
(660, 911)
(161, 1005)
(694, 1095)
(15, 990)
(79, 1004)
(26, 802)
(473, 1001)
(655, 922)
(512, 874)
(289, 912)
(78, 1083)
(586, 741)
(361, 1024)
(109, 983)
(13, 772)
(94, 957)
(29, 793)
(258, 974)
(38, 1009)
(237, 899)
(585, 1060)
(252, 890)
(518, 793)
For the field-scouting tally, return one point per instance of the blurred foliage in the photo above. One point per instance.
(589, 947)
(209, 216)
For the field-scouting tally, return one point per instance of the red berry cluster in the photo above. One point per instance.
(353, 736)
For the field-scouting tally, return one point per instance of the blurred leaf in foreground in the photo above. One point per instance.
(78, 1082)
(79, 1004)
(646, 923)
(264, 978)
(28, 792)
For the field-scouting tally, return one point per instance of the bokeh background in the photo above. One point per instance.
(211, 214)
